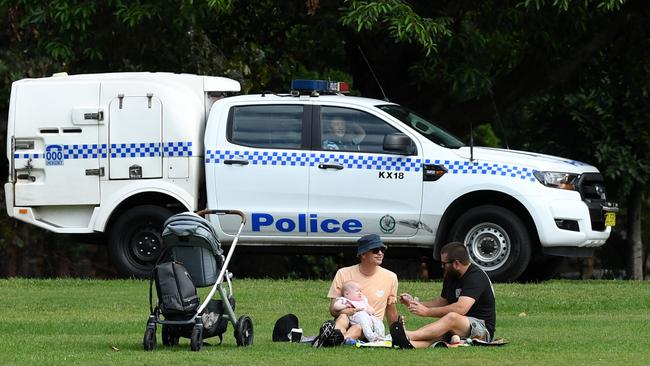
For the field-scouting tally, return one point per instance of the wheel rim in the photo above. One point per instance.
(247, 332)
(488, 245)
(145, 244)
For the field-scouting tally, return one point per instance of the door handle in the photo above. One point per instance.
(330, 166)
(98, 172)
(236, 162)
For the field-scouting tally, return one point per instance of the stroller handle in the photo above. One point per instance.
(208, 211)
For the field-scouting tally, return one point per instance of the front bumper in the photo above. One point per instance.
(590, 219)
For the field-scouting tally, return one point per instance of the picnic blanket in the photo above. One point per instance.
(439, 344)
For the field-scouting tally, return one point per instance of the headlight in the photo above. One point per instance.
(558, 180)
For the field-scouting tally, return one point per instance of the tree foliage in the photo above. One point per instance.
(566, 77)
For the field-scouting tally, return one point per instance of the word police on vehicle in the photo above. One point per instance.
(308, 167)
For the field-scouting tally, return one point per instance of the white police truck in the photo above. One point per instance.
(119, 153)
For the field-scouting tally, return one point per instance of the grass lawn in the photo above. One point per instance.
(66, 322)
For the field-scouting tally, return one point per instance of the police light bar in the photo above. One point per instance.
(320, 86)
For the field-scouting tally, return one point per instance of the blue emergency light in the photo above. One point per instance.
(320, 86)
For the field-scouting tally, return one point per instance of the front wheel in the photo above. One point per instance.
(135, 240)
(496, 239)
(244, 331)
(149, 340)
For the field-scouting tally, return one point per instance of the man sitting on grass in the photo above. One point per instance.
(378, 284)
(466, 305)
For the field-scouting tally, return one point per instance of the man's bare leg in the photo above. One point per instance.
(342, 323)
(354, 332)
(425, 336)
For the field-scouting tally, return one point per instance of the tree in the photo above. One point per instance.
(568, 77)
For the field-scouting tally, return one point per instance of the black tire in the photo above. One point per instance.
(196, 339)
(496, 239)
(135, 240)
(244, 334)
(149, 340)
(169, 339)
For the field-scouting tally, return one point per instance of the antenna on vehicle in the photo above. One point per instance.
(471, 141)
(373, 73)
(498, 120)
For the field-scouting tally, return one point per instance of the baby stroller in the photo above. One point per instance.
(192, 257)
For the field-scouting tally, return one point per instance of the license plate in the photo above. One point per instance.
(610, 218)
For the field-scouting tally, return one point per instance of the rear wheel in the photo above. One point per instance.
(135, 240)
(496, 239)
(244, 331)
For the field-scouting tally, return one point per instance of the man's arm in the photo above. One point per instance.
(335, 313)
(461, 307)
(434, 303)
(406, 300)
(391, 313)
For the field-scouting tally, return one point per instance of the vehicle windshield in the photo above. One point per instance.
(426, 128)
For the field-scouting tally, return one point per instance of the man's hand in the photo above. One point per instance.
(419, 309)
(406, 299)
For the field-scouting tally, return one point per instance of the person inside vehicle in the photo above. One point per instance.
(342, 136)
(378, 284)
(466, 306)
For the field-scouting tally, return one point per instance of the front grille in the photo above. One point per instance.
(592, 190)
(592, 187)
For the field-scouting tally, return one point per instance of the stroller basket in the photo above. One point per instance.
(192, 241)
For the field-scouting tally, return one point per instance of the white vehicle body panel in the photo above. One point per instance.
(125, 135)
(159, 128)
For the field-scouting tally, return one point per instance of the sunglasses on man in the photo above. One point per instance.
(377, 250)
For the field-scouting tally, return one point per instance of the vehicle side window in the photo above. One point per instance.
(347, 129)
(267, 126)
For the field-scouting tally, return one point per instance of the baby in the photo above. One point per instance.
(373, 327)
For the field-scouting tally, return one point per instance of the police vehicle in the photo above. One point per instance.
(119, 153)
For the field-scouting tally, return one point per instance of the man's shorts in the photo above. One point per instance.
(477, 329)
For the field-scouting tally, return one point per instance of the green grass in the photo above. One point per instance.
(57, 322)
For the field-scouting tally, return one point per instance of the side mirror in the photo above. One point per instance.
(398, 143)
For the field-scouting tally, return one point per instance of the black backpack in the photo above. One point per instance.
(176, 292)
(283, 326)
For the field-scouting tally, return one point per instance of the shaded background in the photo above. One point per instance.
(562, 77)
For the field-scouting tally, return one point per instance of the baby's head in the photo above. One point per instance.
(352, 291)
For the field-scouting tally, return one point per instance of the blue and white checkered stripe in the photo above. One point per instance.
(80, 151)
(503, 170)
(178, 149)
(135, 150)
(368, 162)
(259, 157)
(130, 150)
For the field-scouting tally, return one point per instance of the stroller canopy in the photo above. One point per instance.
(190, 225)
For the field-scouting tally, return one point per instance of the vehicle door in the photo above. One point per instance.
(355, 186)
(135, 135)
(55, 151)
(261, 167)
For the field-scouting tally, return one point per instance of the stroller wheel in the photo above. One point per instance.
(196, 340)
(149, 341)
(244, 331)
(168, 337)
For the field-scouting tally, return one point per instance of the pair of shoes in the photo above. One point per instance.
(397, 332)
(335, 339)
(324, 334)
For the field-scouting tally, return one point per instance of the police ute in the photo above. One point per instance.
(119, 153)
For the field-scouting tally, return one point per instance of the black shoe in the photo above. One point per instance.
(335, 339)
(398, 334)
(324, 334)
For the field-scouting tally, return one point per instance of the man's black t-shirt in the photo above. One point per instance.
(475, 284)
